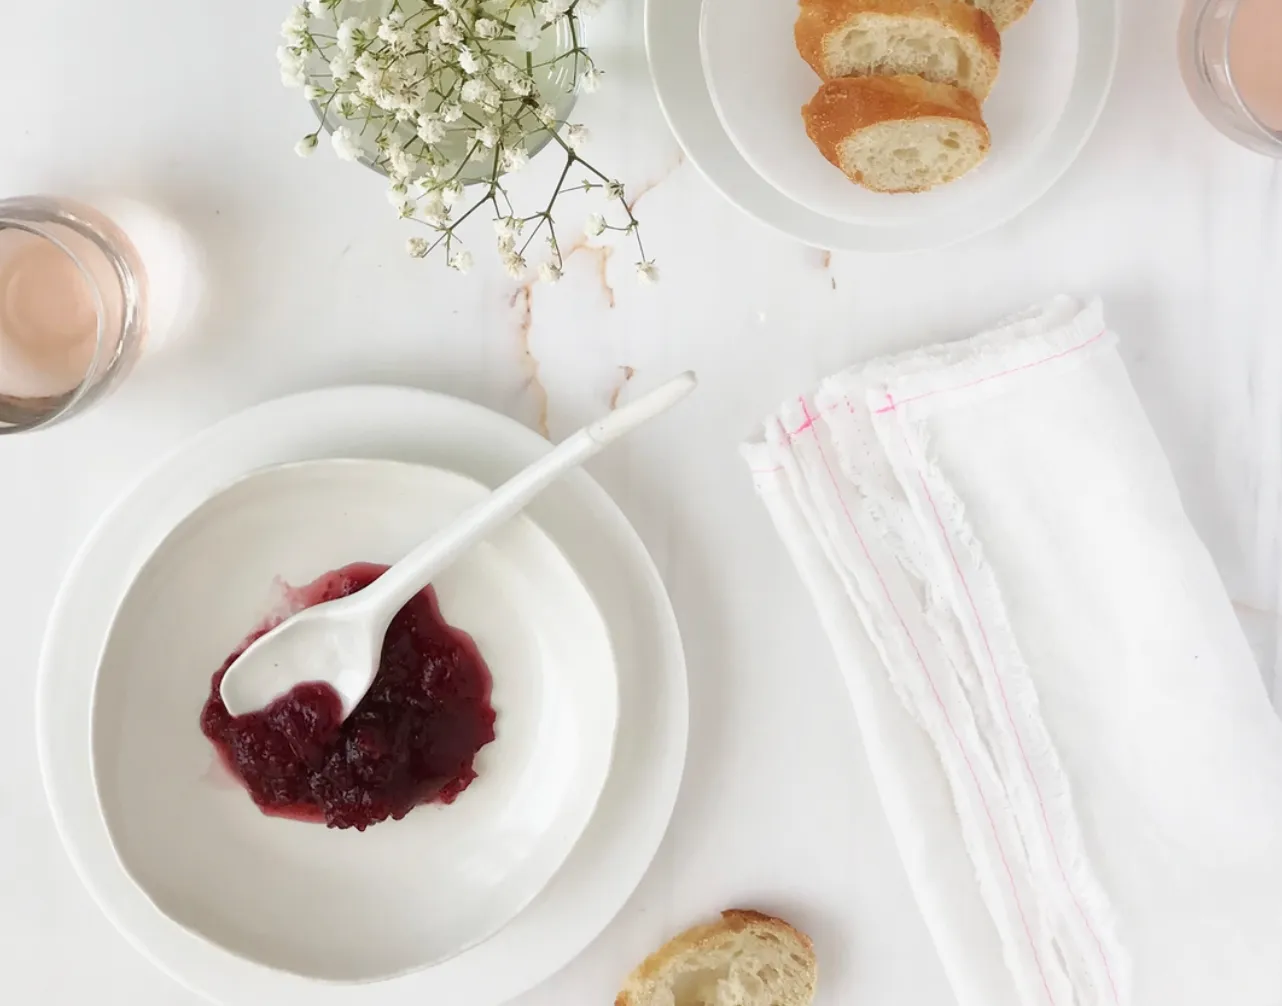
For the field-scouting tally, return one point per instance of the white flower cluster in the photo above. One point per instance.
(441, 93)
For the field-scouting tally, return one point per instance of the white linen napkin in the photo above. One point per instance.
(1076, 753)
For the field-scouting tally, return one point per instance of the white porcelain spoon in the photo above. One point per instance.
(340, 642)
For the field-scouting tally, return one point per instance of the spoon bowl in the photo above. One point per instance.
(337, 646)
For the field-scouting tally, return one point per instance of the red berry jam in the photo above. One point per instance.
(412, 739)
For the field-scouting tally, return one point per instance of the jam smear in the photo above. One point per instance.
(412, 739)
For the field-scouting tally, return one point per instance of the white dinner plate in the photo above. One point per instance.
(284, 892)
(404, 425)
(874, 223)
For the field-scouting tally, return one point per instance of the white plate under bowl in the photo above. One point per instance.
(759, 82)
(405, 425)
(320, 902)
(672, 30)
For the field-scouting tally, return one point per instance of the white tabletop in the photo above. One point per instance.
(307, 284)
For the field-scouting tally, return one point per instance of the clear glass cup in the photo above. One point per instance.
(72, 309)
(1213, 71)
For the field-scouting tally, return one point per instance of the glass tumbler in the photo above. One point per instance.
(1231, 59)
(72, 309)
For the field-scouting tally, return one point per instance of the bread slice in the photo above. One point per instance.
(897, 134)
(746, 959)
(1004, 12)
(947, 41)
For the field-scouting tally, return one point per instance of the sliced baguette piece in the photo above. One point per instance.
(897, 134)
(1004, 12)
(946, 41)
(745, 959)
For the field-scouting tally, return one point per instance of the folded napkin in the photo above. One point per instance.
(1073, 746)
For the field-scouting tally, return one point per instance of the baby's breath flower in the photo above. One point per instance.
(367, 66)
(472, 90)
(514, 265)
(294, 26)
(316, 8)
(467, 60)
(450, 193)
(392, 30)
(434, 209)
(345, 145)
(305, 146)
(487, 28)
(590, 81)
(345, 37)
(528, 32)
(647, 273)
(546, 114)
(461, 261)
(576, 136)
(311, 92)
(448, 33)
(416, 247)
(553, 10)
(340, 68)
(594, 226)
(488, 96)
(614, 190)
(292, 73)
(514, 158)
(523, 86)
(549, 272)
(504, 72)
(486, 136)
(400, 163)
(430, 129)
(451, 111)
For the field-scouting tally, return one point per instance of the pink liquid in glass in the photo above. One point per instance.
(48, 318)
(54, 297)
(1255, 58)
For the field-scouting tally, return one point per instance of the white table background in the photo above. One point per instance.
(306, 284)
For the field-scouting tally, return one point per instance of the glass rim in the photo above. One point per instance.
(1268, 131)
(35, 215)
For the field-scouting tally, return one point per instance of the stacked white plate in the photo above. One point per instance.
(732, 84)
(471, 903)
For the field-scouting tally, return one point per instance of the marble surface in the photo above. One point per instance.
(306, 284)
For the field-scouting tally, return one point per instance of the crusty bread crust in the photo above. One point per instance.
(1008, 13)
(845, 106)
(699, 938)
(820, 18)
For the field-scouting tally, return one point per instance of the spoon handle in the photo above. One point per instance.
(405, 579)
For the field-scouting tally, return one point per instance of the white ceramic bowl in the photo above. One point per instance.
(342, 905)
